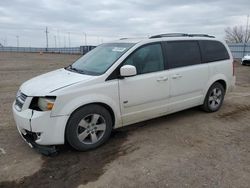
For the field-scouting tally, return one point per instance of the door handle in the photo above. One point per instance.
(162, 79)
(176, 76)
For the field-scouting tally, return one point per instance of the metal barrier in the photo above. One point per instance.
(239, 49)
(72, 50)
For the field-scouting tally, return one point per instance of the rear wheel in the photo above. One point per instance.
(214, 98)
(89, 127)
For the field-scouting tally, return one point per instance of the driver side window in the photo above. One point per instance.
(147, 59)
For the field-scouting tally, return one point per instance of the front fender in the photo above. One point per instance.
(80, 101)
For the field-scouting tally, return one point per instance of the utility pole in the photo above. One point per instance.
(55, 41)
(47, 39)
(17, 41)
(85, 38)
(69, 38)
(246, 35)
(64, 41)
(58, 37)
(5, 41)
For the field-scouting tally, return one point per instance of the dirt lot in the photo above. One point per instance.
(186, 149)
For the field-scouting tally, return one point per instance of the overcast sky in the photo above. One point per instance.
(111, 19)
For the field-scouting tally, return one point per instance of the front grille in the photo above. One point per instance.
(23, 97)
(20, 100)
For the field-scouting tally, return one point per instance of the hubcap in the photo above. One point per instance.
(91, 128)
(215, 98)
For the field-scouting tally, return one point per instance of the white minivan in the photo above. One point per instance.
(121, 83)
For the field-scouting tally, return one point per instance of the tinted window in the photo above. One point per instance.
(182, 53)
(147, 59)
(213, 51)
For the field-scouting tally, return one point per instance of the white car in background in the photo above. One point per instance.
(121, 83)
(245, 60)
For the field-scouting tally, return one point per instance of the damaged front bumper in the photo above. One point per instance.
(39, 129)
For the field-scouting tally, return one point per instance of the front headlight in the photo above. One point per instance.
(42, 103)
(45, 103)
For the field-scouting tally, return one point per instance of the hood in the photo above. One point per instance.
(45, 84)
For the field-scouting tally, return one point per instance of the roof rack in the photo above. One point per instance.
(180, 35)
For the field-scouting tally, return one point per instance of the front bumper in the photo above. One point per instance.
(46, 130)
(245, 61)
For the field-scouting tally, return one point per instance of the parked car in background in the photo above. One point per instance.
(245, 60)
(120, 83)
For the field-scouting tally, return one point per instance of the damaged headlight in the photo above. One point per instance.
(42, 103)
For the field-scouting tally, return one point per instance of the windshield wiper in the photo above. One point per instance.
(70, 67)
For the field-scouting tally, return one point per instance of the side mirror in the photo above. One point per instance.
(127, 70)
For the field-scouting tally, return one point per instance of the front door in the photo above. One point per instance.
(145, 95)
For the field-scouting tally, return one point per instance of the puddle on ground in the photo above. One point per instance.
(71, 168)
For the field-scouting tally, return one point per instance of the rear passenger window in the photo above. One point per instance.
(182, 53)
(213, 51)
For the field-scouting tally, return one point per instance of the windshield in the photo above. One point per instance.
(98, 60)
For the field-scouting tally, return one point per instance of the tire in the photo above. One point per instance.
(88, 127)
(214, 98)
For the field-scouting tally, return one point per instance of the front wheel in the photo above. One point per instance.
(214, 98)
(88, 127)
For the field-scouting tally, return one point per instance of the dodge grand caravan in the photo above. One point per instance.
(121, 83)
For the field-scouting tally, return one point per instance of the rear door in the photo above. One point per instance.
(188, 76)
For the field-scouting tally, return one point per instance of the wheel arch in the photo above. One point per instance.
(106, 106)
(220, 78)
(223, 83)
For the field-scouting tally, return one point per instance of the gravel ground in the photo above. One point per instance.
(190, 148)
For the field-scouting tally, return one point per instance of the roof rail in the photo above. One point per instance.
(201, 35)
(180, 35)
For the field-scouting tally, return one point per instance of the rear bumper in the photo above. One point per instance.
(45, 129)
(232, 84)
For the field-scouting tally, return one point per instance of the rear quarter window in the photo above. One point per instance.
(213, 51)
